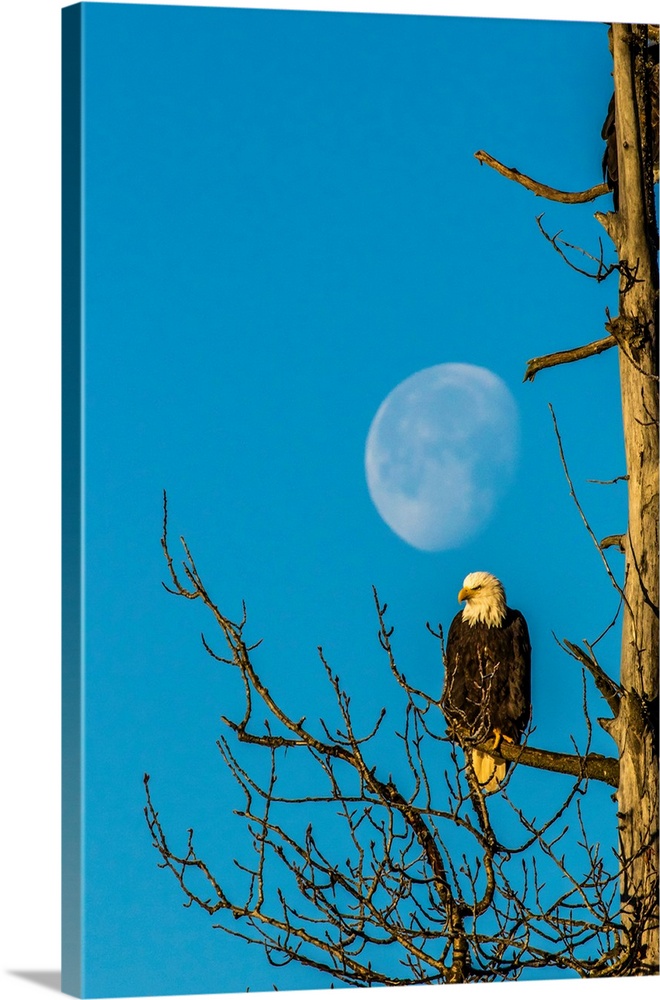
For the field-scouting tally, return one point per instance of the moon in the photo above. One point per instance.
(441, 453)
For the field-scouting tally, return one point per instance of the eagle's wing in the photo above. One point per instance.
(519, 676)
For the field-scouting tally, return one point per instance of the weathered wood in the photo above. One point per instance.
(539, 189)
(535, 365)
(593, 765)
(635, 728)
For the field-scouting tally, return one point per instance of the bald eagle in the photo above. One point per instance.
(487, 673)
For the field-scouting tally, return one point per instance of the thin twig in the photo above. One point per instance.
(574, 497)
(604, 270)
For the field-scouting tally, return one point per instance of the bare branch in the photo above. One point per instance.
(609, 689)
(593, 766)
(535, 365)
(542, 190)
(613, 542)
(579, 507)
(603, 270)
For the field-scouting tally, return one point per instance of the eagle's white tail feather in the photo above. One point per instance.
(489, 774)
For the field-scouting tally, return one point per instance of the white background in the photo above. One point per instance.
(29, 483)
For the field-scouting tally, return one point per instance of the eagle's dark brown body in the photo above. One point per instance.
(487, 692)
(487, 681)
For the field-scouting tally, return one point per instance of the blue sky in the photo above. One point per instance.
(284, 219)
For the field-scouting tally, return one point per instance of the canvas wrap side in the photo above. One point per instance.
(72, 547)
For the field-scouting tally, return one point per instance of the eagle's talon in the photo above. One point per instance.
(498, 736)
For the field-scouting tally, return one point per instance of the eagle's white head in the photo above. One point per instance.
(485, 599)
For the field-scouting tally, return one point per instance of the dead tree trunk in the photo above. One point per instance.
(633, 230)
(631, 130)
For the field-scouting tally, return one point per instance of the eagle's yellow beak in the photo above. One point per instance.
(465, 594)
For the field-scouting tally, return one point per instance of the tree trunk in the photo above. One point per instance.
(634, 232)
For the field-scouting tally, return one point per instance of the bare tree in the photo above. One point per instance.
(421, 884)
(404, 906)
